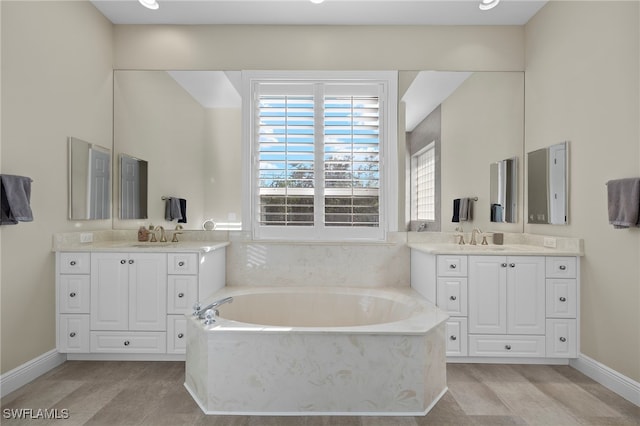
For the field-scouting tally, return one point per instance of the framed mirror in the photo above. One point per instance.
(89, 180)
(133, 187)
(547, 185)
(503, 191)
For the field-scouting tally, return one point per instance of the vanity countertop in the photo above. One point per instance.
(493, 249)
(119, 246)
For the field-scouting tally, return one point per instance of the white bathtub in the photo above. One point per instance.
(320, 350)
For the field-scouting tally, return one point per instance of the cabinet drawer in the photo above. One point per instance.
(176, 334)
(452, 295)
(74, 263)
(452, 266)
(73, 333)
(74, 294)
(562, 341)
(504, 345)
(562, 298)
(561, 267)
(128, 342)
(456, 335)
(183, 263)
(182, 293)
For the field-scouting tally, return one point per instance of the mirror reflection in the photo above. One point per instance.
(547, 185)
(503, 190)
(89, 180)
(133, 187)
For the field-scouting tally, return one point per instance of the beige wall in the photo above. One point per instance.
(582, 85)
(56, 82)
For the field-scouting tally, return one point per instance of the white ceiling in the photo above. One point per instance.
(331, 12)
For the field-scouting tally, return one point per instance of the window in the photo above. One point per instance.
(317, 153)
(423, 171)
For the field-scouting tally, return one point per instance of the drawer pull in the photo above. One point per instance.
(180, 335)
(72, 263)
(130, 261)
(507, 347)
(563, 267)
(453, 266)
(127, 343)
(512, 265)
(563, 299)
(504, 265)
(72, 334)
(180, 295)
(453, 338)
(72, 294)
(452, 298)
(563, 339)
(122, 262)
(181, 263)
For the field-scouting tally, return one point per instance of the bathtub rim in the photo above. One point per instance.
(425, 317)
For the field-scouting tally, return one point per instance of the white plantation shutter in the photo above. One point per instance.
(317, 158)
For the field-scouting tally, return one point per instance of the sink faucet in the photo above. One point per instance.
(176, 233)
(475, 232)
(460, 229)
(163, 237)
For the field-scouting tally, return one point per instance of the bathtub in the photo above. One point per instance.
(320, 350)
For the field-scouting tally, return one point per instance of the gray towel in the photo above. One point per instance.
(623, 196)
(15, 199)
(464, 209)
(172, 209)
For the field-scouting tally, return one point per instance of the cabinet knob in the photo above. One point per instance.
(512, 265)
(562, 267)
(122, 262)
(452, 298)
(130, 261)
(563, 299)
(453, 338)
(180, 294)
(127, 343)
(72, 334)
(507, 347)
(72, 263)
(180, 335)
(504, 265)
(563, 339)
(181, 263)
(72, 294)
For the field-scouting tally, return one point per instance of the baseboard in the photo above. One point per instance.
(30, 370)
(622, 385)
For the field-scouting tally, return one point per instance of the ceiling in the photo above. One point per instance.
(331, 12)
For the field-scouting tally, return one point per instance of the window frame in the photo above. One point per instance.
(429, 148)
(388, 207)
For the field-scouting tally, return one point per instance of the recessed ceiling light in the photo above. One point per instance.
(317, 1)
(150, 4)
(488, 4)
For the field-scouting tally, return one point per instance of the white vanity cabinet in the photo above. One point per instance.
(128, 295)
(503, 306)
(131, 304)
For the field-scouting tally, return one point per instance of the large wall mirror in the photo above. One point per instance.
(187, 126)
(547, 185)
(89, 180)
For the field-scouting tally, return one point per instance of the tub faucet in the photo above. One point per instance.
(200, 312)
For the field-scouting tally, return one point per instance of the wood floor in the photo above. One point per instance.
(152, 393)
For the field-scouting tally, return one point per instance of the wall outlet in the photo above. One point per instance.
(86, 237)
(549, 242)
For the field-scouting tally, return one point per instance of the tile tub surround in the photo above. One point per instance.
(395, 368)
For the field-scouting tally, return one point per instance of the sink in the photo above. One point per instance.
(151, 245)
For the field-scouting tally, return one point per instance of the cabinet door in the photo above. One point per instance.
(147, 291)
(109, 291)
(456, 335)
(182, 293)
(452, 295)
(73, 294)
(487, 294)
(526, 295)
